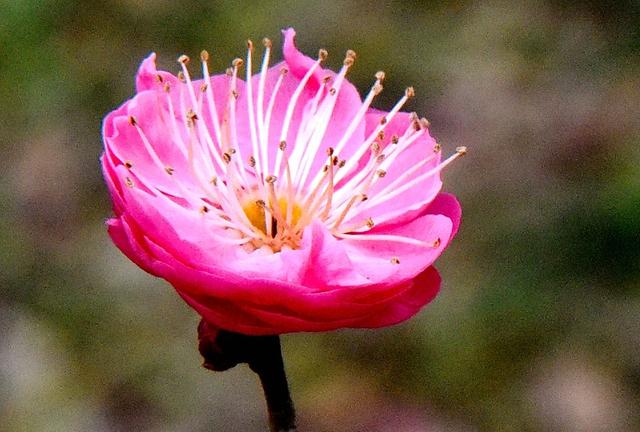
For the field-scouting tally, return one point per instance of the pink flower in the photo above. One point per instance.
(281, 203)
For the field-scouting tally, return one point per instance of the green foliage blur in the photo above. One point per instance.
(537, 327)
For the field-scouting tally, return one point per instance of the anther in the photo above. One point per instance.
(169, 170)
(237, 62)
(284, 71)
(322, 55)
(235, 94)
(166, 87)
(128, 164)
(425, 123)
(332, 91)
(375, 147)
(204, 56)
(437, 242)
(416, 125)
(380, 158)
(192, 116)
(342, 163)
(266, 42)
(181, 77)
(128, 182)
(363, 197)
(409, 92)
(184, 59)
(214, 181)
(203, 87)
(227, 157)
(351, 54)
(437, 148)
(326, 79)
(381, 173)
(395, 139)
(330, 151)
(249, 44)
(334, 160)
(271, 179)
(383, 120)
(370, 223)
(261, 203)
(204, 209)
(381, 135)
(252, 161)
(132, 121)
(159, 78)
(380, 76)
(229, 71)
(461, 150)
(395, 260)
(282, 145)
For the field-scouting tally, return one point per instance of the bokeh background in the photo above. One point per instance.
(537, 327)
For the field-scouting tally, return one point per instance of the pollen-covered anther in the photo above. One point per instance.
(375, 147)
(283, 145)
(383, 120)
(351, 54)
(159, 78)
(169, 170)
(250, 44)
(181, 77)
(227, 157)
(267, 42)
(363, 197)
(322, 55)
(271, 179)
(436, 148)
(252, 161)
(461, 150)
(184, 59)
(204, 55)
(437, 242)
(128, 165)
(214, 181)
(395, 139)
(203, 87)
(128, 182)
(330, 151)
(284, 71)
(409, 92)
(381, 135)
(204, 209)
(425, 123)
(381, 173)
(332, 91)
(395, 260)
(166, 87)
(132, 121)
(342, 163)
(380, 76)
(191, 116)
(235, 94)
(370, 223)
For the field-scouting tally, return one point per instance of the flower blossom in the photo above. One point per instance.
(280, 202)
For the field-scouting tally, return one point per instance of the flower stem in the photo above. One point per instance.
(223, 350)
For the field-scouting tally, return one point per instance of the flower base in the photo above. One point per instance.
(223, 350)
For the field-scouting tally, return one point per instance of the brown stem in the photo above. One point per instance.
(223, 350)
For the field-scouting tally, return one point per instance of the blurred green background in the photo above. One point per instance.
(537, 327)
